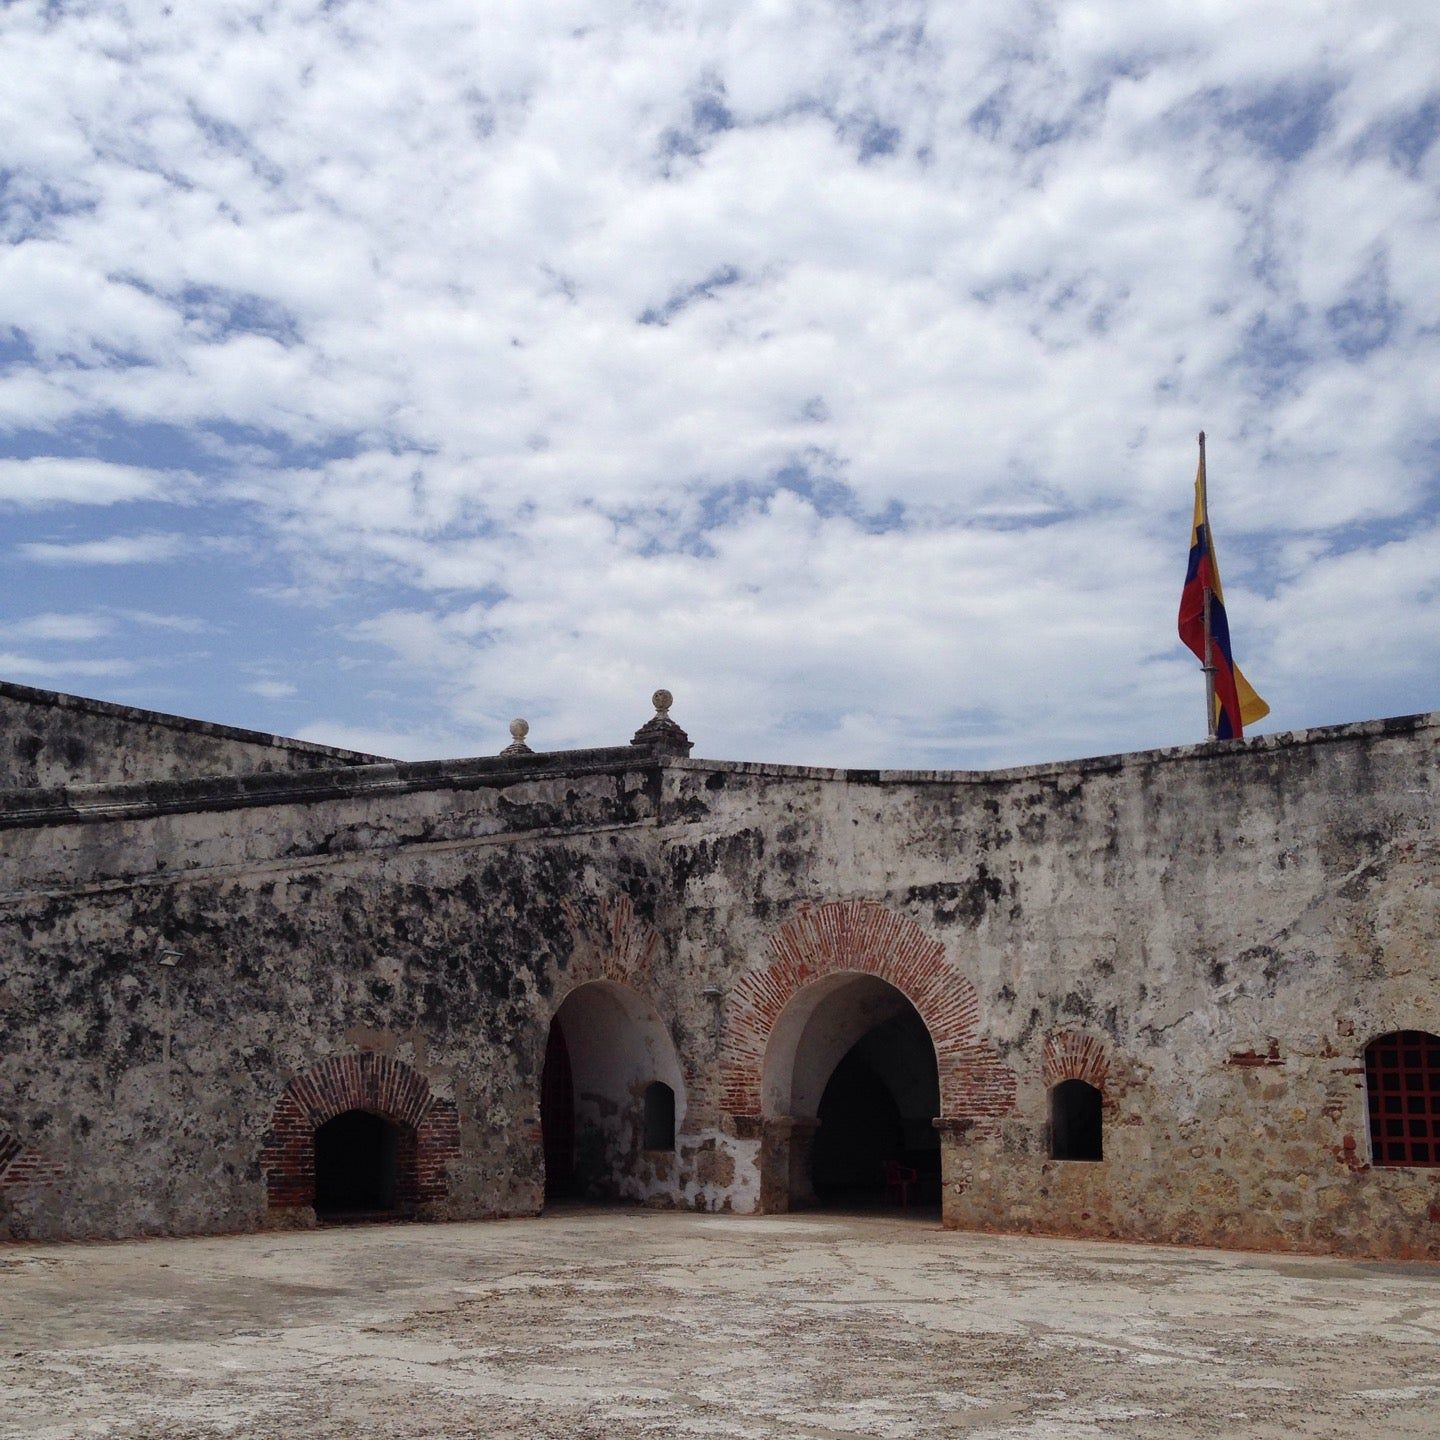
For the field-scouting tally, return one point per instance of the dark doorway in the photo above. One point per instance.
(1075, 1121)
(659, 1128)
(355, 1167)
(860, 1134)
(557, 1116)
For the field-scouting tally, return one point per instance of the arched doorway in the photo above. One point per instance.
(605, 1051)
(359, 1135)
(358, 1165)
(851, 1090)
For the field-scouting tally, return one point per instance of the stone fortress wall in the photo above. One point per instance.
(50, 739)
(1209, 936)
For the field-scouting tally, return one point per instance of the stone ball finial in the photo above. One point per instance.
(660, 733)
(519, 729)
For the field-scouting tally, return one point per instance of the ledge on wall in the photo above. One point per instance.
(659, 744)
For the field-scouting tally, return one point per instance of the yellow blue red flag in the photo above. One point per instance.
(1236, 705)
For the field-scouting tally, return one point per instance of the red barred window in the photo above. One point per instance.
(1402, 1079)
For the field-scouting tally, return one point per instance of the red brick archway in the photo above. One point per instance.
(429, 1126)
(865, 938)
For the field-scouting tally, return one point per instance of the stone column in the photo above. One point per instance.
(802, 1144)
(955, 1164)
(785, 1145)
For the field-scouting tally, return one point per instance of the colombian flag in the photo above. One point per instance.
(1236, 704)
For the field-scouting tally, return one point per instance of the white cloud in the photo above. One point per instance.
(272, 689)
(59, 627)
(60, 480)
(838, 367)
(180, 624)
(32, 667)
(110, 550)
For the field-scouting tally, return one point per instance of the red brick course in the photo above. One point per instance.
(1074, 1055)
(1251, 1059)
(865, 938)
(611, 943)
(23, 1166)
(429, 1127)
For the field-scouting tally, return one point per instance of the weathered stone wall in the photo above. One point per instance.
(1226, 926)
(49, 739)
(1210, 935)
(434, 924)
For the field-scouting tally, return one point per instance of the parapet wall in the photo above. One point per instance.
(48, 739)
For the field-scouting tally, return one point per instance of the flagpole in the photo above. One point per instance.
(1209, 665)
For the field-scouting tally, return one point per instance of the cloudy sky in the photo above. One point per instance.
(374, 372)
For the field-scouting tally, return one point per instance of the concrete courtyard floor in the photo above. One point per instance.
(591, 1324)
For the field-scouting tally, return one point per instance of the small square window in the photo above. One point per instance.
(1402, 1081)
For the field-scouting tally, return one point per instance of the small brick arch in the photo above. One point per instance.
(23, 1167)
(611, 942)
(1075, 1055)
(867, 938)
(382, 1085)
(9, 1149)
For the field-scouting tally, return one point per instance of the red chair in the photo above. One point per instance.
(898, 1180)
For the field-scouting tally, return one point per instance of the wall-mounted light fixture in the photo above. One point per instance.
(715, 995)
(167, 960)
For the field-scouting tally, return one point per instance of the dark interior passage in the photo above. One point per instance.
(875, 1119)
(557, 1116)
(1075, 1121)
(860, 1131)
(356, 1157)
(659, 1116)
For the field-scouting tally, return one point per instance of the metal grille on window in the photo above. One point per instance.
(1402, 1079)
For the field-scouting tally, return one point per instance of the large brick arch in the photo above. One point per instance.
(864, 937)
(429, 1127)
